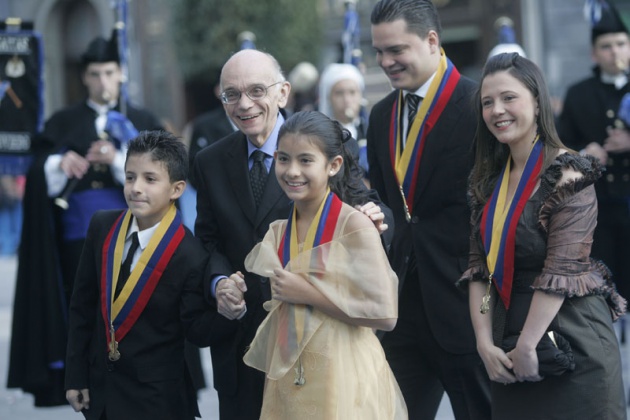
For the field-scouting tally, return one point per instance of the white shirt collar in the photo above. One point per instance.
(99, 108)
(144, 236)
(424, 89)
(619, 80)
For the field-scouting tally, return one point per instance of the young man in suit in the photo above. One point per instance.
(419, 166)
(236, 202)
(128, 322)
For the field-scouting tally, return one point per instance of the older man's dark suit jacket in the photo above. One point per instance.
(150, 380)
(229, 224)
(439, 228)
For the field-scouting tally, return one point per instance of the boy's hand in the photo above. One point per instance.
(78, 399)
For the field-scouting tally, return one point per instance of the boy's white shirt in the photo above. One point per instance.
(144, 237)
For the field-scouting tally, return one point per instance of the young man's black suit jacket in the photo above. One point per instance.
(150, 380)
(438, 236)
(229, 225)
(440, 224)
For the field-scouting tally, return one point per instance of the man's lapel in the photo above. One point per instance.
(273, 193)
(238, 175)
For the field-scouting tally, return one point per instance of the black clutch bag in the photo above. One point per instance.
(554, 353)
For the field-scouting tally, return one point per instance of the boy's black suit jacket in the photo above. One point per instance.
(151, 379)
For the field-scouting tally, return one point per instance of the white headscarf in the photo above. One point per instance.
(332, 74)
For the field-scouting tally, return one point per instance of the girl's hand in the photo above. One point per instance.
(289, 287)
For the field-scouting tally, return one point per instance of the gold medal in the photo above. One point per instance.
(114, 354)
(407, 215)
(485, 301)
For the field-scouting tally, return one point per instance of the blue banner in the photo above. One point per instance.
(21, 97)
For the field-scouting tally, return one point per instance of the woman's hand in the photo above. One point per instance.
(525, 361)
(498, 364)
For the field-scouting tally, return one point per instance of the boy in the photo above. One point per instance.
(125, 356)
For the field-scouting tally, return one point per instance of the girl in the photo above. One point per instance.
(533, 214)
(331, 285)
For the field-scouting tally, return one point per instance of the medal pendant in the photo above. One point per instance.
(299, 374)
(407, 215)
(485, 301)
(114, 354)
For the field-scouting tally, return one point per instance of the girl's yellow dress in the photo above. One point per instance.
(318, 367)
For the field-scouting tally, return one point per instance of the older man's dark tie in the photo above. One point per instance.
(258, 175)
(412, 101)
(125, 268)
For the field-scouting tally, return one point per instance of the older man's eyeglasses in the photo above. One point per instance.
(255, 93)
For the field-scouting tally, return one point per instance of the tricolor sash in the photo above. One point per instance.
(122, 313)
(406, 160)
(320, 231)
(500, 218)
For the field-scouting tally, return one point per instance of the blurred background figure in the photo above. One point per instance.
(200, 133)
(247, 40)
(341, 98)
(590, 123)
(506, 38)
(303, 78)
(11, 193)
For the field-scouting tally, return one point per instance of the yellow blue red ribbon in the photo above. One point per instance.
(124, 311)
(500, 218)
(320, 231)
(406, 160)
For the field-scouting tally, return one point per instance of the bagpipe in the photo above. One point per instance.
(21, 94)
(120, 131)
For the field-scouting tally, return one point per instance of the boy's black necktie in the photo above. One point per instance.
(125, 268)
(258, 175)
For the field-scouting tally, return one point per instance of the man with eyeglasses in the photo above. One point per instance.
(231, 220)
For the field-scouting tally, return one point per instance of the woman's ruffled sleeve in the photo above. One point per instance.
(569, 216)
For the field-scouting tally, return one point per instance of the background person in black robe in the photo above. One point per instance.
(591, 123)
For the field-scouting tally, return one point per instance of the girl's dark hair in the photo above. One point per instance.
(163, 147)
(331, 138)
(490, 155)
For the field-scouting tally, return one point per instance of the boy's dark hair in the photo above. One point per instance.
(421, 16)
(163, 147)
(330, 137)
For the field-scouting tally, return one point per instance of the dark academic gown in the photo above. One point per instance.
(590, 107)
(39, 331)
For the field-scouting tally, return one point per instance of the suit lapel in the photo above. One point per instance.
(273, 193)
(238, 174)
(436, 143)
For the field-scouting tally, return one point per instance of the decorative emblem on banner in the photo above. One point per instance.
(15, 67)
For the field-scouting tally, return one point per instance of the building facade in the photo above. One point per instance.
(553, 33)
